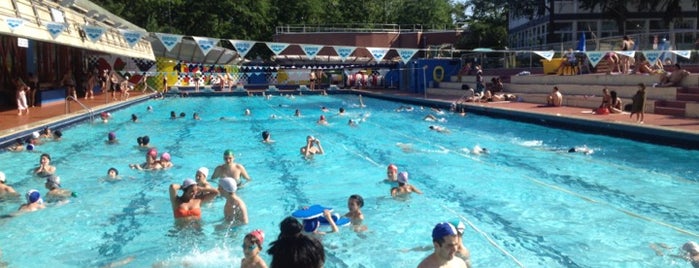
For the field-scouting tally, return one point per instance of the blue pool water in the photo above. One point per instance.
(528, 203)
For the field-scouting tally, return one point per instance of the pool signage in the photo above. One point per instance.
(55, 29)
(277, 47)
(243, 47)
(93, 33)
(169, 40)
(344, 52)
(311, 50)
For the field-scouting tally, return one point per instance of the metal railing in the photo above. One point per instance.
(363, 28)
(90, 112)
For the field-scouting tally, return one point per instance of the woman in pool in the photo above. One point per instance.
(164, 161)
(403, 187)
(188, 205)
(312, 147)
(151, 161)
(113, 174)
(56, 193)
(322, 120)
(234, 211)
(354, 205)
(252, 246)
(111, 138)
(45, 168)
(266, 137)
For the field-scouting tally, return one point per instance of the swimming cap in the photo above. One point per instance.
(228, 184)
(35, 134)
(311, 225)
(111, 136)
(259, 235)
(691, 246)
(2, 177)
(460, 226)
(187, 183)
(228, 152)
(30, 147)
(165, 156)
(443, 229)
(54, 181)
(403, 177)
(152, 152)
(204, 171)
(58, 133)
(392, 167)
(322, 117)
(33, 196)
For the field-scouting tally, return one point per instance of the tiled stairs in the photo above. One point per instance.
(677, 107)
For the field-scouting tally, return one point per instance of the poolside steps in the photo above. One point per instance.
(675, 108)
(688, 94)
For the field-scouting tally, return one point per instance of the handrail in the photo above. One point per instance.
(90, 112)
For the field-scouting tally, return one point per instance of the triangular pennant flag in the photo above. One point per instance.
(169, 40)
(205, 44)
(132, 37)
(595, 57)
(406, 54)
(548, 55)
(94, 33)
(14, 23)
(377, 52)
(277, 47)
(628, 53)
(243, 47)
(344, 52)
(311, 50)
(683, 53)
(55, 29)
(652, 55)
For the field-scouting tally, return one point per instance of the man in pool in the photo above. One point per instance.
(403, 187)
(4, 188)
(392, 173)
(445, 241)
(230, 169)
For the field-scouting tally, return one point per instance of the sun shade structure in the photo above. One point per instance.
(188, 50)
(75, 23)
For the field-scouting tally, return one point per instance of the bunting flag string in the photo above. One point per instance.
(169, 40)
(344, 52)
(683, 53)
(14, 23)
(132, 37)
(377, 52)
(548, 55)
(277, 48)
(652, 55)
(595, 57)
(55, 29)
(205, 44)
(311, 50)
(93, 33)
(406, 54)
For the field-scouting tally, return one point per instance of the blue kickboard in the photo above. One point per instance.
(311, 212)
(339, 222)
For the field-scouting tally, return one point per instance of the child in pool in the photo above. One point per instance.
(354, 205)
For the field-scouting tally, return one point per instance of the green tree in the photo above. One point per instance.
(486, 23)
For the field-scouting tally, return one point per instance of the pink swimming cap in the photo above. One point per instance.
(165, 156)
(152, 152)
(392, 167)
(322, 117)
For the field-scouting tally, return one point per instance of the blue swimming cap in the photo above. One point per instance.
(311, 225)
(443, 229)
(30, 147)
(33, 196)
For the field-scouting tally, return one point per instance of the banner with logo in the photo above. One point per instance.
(277, 48)
(14, 23)
(548, 55)
(94, 33)
(205, 44)
(595, 57)
(169, 40)
(344, 52)
(243, 47)
(377, 52)
(132, 37)
(683, 53)
(55, 29)
(652, 55)
(311, 50)
(406, 54)
(628, 53)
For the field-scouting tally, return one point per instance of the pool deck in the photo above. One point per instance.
(38, 117)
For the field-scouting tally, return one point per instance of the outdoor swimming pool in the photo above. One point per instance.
(527, 203)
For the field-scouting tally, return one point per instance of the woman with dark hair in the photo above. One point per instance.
(615, 106)
(295, 250)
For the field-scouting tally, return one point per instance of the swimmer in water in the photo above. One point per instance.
(312, 147)
(439, 129)
(404, 187)
(583, 150)
(45, 168)
(392, 173)
(266, 137)
(354, 204)
(478, 150)
(231, 169)
(322, 120)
